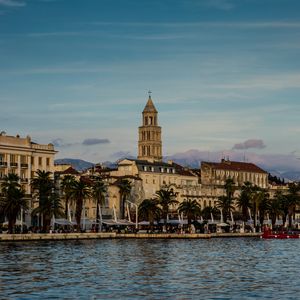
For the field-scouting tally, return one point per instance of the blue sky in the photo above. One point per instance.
(77, 72)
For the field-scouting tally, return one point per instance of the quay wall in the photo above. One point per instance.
(113, 235)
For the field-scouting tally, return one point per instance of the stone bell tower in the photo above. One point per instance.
(150, 146)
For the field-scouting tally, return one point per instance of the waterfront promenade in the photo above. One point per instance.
(114, 235)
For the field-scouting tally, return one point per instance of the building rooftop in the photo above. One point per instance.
(235, 166)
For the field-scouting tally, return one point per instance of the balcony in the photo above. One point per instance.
(3, 164)
(14, 164)
(24, 165)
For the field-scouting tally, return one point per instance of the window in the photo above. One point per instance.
(32, 160)
(40, 161)
(48, 161)
(145, 168)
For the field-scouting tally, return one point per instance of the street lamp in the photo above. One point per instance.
(136, 213)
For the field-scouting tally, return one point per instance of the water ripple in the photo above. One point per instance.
(150, 269)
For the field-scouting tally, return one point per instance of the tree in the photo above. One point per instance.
(263, 205)
(209, 211)
(166, 198)
(98, 193)
(51, 208)
(257, 196)
(229, 188)
(13, 200)
(191, 209)
(79, 192)
(66, 188)
(225, 204)
(293, 199)
(244, 200)
(275, 207)
(42, 185)
(149, 210)
(124, 190)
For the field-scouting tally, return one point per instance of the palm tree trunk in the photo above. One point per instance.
(97, 216)
(78, 213)
(11, 225)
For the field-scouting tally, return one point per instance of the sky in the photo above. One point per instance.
(224, 74)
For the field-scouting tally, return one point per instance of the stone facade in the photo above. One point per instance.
(23, 157)
(150, 145)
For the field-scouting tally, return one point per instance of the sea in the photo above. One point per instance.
(221, 268)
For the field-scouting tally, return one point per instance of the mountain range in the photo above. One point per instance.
(284, 166)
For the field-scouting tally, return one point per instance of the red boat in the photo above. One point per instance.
(268, 234)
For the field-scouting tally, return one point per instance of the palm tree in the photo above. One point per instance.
(52, 207)
(275, 207)
(79, 192)
(191, 209)
(149, 210)
(256, 198)
(43, 185)
(263, 206)
(99, 190)
(66, 188)
(293, 198)
(244, 200)
(13, 200)
(124, 190)
(209, 211)
(166, 197)
(229, 188)
(225, 204)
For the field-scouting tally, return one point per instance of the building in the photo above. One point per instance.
(24, 157)
(149, 144)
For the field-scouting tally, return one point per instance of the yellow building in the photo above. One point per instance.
(24, 157)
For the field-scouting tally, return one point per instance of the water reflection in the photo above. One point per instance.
(150, 269)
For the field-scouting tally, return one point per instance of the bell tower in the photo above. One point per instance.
(150, 146)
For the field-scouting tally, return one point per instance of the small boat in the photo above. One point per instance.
(268, 234)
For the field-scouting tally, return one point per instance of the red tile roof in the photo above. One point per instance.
(235, 166)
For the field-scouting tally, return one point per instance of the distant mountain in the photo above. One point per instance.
(291, 175)
(77, 164)
(281, 165)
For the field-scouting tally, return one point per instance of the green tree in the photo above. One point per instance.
(43, 185)
(229, 188)
(79, 193)
(12, 200)
(275, 207)
(149, 210)
(166, 198)
(99, 190)
(66, 188)
(225, 203)
(244, 200)
(51, 208)
(191, 209)
(208, 211)
(124, 190)
(293, 199)
(263, 205)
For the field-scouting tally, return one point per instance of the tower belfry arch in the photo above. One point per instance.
(150, 145)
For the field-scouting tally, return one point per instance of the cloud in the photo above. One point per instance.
(60, 143)
(12, 3)
(258, 144)
(93, 141)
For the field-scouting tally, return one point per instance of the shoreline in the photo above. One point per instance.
(113, 235)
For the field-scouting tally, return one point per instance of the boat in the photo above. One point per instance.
(269, 234)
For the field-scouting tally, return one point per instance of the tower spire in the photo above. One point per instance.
(150, 145)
